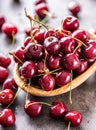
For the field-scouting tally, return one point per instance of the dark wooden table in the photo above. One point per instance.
(84, 97)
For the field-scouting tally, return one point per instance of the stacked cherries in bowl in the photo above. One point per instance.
(52, 58)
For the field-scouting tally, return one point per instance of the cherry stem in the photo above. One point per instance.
(27, 92)
(70, 94)
(11, 53)
(35, 20)
(27, 105)
(15, 95)
(69, 125)
(48, 14)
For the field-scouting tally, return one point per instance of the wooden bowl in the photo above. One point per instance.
(40, 92)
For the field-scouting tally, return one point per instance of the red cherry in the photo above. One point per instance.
(27, 41)
(70, 23)
(58, 109)
(74, 117)
(71, 61)
(10, 84)
(3, 74)
(47, 82)
(74, 7)
(4, 60)
(39, 2)
(7, 117)
(9, 29)
(40, 8)
(63, 77)
(28, 69)
(34, 109)
(6, 96)
(49, 33)
(2, 21)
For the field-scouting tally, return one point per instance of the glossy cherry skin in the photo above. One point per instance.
(9, 29)
(27, 41)
(47, 82)
(40, 8)
(39, 2)
(10, 84)
(52, 45)
(70, 23)
(58, 109)
(50, 32)
(6, 96)
(3, 74)
(34, 51)
(28, 69)
(74, 8)
(74, 117)
(67, 44)
(63, 77)
(71, 61)
(2, 21)
(7, 117)
(5, 61)
(19, 55)
(33, 110)
(54, 62)
(83, 66)
(81, 35)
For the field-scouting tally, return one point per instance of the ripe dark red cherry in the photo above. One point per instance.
(71, 61)
(70, 23)
(9, 29)
(63, 77)
(49, 33)
(74, 117)
(54, 62)
(34, 51)
(2, 21)
(27, 41)
(47, 82)
(52, 45)
(6, 96)
(58, 109)
(7, 117)
(3, 74)
(10, 84)
(33, 110)
(67, 44)
(81, 35)
(40, 8)
(74, 8)
(4, 60)
(39, 2)
(28, 69)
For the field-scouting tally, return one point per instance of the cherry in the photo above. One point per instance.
(60, 33)
(90, 51)
(9, 29)
(63, 77)
(10, 84)
(58, 109)
(54, 62)
(34, 51)
(67, 44)
(28, 69)
(27, 41)
(83, 66)
(3, 74)
(49, 33)
(81, 35)
(6, 96)
(70, 23)
(4, 60)
(7, 117)
(47, 82)
(74, 7)
(52, 45)
(2, 21)
(19, 54)
(40, 10)
(74, 117)
(39, 2)
(28, 30)
(32, 108)
(71, 61)
(91, 42)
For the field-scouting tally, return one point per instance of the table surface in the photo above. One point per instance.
(84, 97)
